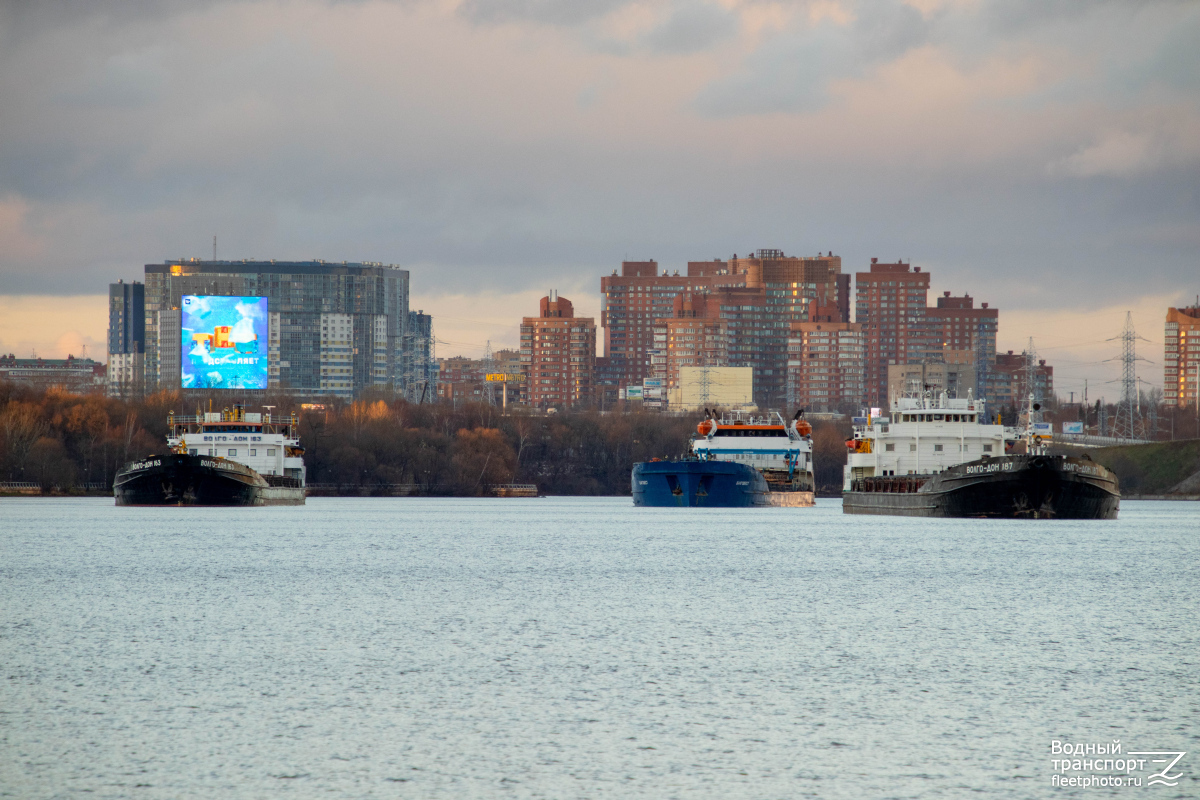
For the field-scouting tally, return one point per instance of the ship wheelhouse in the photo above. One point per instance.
(924, 435)
(255, 440)
(767, 443)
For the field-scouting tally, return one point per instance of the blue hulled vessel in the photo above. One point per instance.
(735, 461)
(692, 482)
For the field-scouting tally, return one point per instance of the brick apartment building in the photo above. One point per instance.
(901, 328)
(826, 366)
(632, 300)
(968, 335)
(758, 297)
(558, 353)
(689, 338)
(1181, 357)
(1008, 382)
(890, 305)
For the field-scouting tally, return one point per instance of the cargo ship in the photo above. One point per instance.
(941, 458)
(736, 460)
(225, 458)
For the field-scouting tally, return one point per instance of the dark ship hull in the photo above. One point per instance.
(187, 480)
(712, 484)
(1007, 487)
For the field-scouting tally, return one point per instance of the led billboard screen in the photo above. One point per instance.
(224, 342)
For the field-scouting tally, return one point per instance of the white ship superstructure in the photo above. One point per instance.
(767, 443)
(269, 448)
(923, 436)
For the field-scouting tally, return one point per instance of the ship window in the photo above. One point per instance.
(937, 448)
(270, 451)
(937, 417)
(956, 418)
(253, 452)
(193, 452)
(890, 448)
(912, 448)
(987, 448)
(232, 452)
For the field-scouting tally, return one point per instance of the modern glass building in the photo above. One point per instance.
(335, 328)
(126, 339)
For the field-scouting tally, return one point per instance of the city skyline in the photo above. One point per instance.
(1081, 351)
(1042, 157)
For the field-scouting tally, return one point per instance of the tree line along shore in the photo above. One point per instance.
(74, 444)
(55, 442)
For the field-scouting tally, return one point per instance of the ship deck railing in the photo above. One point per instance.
(891, 484)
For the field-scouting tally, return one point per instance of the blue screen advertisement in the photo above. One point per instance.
(224, 342)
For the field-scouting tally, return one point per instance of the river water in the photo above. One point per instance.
(583, 648)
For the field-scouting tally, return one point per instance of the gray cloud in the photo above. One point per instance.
(692, 27)
(548, 12)
(791, 72)
(130, 139)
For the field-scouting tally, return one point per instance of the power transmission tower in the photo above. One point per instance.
(1128, 423)
(1031, 384)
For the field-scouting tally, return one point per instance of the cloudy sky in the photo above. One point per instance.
(1043, 155)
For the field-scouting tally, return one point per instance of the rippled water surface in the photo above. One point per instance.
(571, 648)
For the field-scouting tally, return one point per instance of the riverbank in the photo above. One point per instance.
(1149, 471)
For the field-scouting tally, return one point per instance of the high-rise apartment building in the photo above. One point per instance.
(1181, 357)
(826, 366)
(335, 328)
(761, 295)
(891, 305)
(631, 301)
(126, 339)
(968, 335)
(795, 290)
(901, 329)
(558, 351)
(689, 338)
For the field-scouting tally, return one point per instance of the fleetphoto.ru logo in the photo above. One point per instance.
(1103, 765)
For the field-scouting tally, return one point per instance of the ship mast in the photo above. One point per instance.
(1031, 448)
